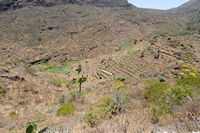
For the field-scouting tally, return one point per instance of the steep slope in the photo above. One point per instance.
(189, 14)
(74, 30)
(191, 5)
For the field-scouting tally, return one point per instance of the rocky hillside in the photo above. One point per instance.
(189, 13)
(191, 5)
(98, 66)
(16, 4)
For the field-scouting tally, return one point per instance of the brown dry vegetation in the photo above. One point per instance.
(42, 47)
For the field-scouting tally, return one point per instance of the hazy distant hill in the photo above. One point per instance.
(191, 5)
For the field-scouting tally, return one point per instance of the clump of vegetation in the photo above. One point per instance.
(95, 115)
(66, 109)
(121, 95)
(126, 46)
(119, 78)
(48, 65)
(193, 81)
(189, 76)
(75, 95)
(31, 71)
(56, 82)
(64, 68)
(108, 106)
(129, 47)
(32, 128)
(13, 114)
(163, 98)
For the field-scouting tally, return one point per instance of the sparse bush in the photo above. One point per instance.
(159, 111)
(108, 106)
(129, 48)
(118, 85)
(154, 90)
(119, 77)
(121, 95)
(48, 65)
(76, 95)
(12, 114)
(66, 109)
(56, 82)
(163, 98)
(126, 46)
(94, 116)
(73, 92)
(192, 81)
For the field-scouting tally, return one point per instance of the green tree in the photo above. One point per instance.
(80, 81)
(79, 69)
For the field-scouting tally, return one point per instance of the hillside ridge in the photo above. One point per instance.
(17, 4)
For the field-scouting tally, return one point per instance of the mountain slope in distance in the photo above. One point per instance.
(16, 4)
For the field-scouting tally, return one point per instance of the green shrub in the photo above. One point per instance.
(32, 128)
(107, 107)
(48, 65)
(119, 77)
(66, 109)
(159, 111)
(56, 82)
(163, 98)
(193, 81)
(12, 114)
(126, 46)
(154, 90)
(94, 116)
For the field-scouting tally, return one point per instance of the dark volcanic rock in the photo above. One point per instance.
(16, 4)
